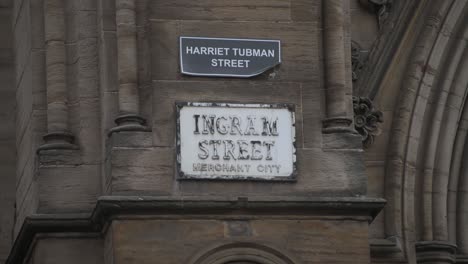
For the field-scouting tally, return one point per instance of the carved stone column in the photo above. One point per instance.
(129, 102)
(435, 252)
(58, 136)
(338, 115)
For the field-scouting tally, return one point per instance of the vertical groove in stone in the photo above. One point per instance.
(57, 99)
(129, 102)
(338, 118)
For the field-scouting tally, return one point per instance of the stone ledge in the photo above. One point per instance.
(385, 246)
(462, 258)
(435, 251)
(107, 207)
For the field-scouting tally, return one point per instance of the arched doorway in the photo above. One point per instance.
(242, 253)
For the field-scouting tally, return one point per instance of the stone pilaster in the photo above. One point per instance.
(58, 135)
(129, 118)
(338, 115)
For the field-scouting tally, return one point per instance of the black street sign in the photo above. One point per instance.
(228, 57)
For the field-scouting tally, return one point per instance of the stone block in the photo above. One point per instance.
(306, 10)
(24, 182)
(337, 173)
(7, 69)
(59, 157)
(132, 139)
(313, 113)
(26, 207)
(87, 68)
(344, 141)
(25, 150)
(5, 28)
(319, 173)
(141, 171)
(7, 115)
(65, 189)
(86, 24)
(24, 103)
(38, 79)
(302, 241)
(37, 24)
(225, 10)
(22, 41)
(57, 250)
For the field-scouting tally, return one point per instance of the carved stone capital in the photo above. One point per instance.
(366, 119)
(435, 252)
(129, 122)
(358, 56)
(58, 140)
(381, 8)
(337, 125)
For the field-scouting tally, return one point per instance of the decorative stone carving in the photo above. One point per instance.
(357, 59)
(381, 8)
(366, 119)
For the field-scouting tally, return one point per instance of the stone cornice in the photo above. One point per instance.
(109, 207)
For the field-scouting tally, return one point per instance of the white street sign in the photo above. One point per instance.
(235, 141)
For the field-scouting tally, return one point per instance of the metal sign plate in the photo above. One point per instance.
(228, 57)
(236, 141)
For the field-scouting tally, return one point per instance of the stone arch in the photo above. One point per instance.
(241, 253)
(425, 173)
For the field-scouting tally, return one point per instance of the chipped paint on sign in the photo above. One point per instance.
(235, 141)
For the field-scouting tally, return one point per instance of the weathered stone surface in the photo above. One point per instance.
(131, 139)
(143, 171)
(304, 10)
(331, 173)
(64, 249)
(313, 113)
(106, 13)
(242, 10)
(37, 24)
(22, 37)
(68, 188)
(27, 207)
(5, 29)
(307, 241)
(345, 141)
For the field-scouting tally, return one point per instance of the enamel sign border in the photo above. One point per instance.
(183, 71)
(184, 176)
